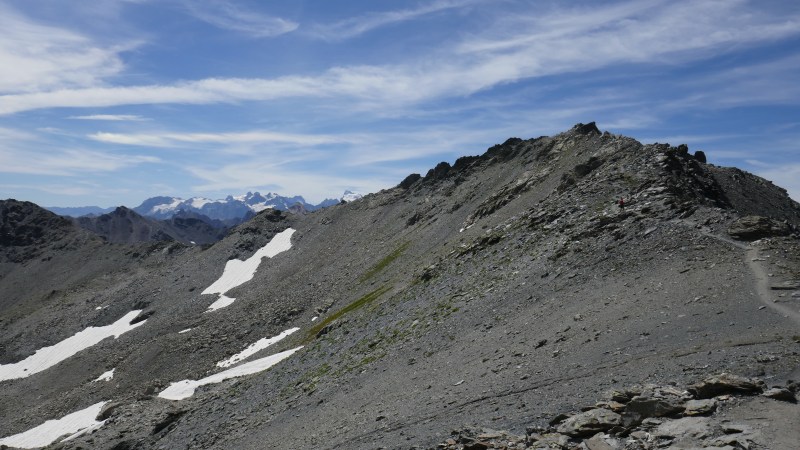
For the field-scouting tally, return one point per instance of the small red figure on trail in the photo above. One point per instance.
(621, 203)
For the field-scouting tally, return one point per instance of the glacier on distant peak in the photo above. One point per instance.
(232, 207)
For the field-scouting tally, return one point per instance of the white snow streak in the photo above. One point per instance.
(238, 272)
(199, 202)
(185, 388)
(185, 331)
(221, 302)
(106, 376)
(76, 424)
(258, 207)
(166, 207)
(254, 348)
(47, 357)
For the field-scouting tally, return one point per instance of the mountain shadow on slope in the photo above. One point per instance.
(27, 229)
(125, 226)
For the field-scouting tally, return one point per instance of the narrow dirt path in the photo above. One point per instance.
(753, 261)
(765, 294)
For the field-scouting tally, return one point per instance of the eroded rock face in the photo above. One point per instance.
(750, 228)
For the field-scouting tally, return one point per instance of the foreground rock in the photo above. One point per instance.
(661, 417)
(726, 383)
(589, 423)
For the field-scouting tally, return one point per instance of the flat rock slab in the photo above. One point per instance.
(782, 394)
(724, 384)
(700, 407)
(790, 285)
(687, 428)
(590, 422)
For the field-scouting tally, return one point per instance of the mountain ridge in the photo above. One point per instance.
(240, 207)
(496, 291)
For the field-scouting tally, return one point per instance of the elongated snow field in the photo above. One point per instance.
(48, 432)
(185, 388)
(47, 357)
(238, 272)
(254, 348)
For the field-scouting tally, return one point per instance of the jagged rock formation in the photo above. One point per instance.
(493, 292)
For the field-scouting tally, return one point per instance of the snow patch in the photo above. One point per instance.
(185, 388)
(185, 331)
(47, 357)
(254, 348)
(314, 319)
(77, 423)
(166, 207)
(350, 196)
(221, 302)
(258, 207)
(199, 202)
(238, 272)
(106, 376)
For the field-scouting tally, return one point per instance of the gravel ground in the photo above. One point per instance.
(496, 292)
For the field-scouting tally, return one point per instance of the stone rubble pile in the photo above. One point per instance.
(640, 418)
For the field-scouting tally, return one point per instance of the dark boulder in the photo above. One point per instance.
(725, 384)
(750, 228)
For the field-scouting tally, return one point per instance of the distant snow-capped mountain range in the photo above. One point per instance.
(231, 207)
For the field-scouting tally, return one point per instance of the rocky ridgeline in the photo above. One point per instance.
(498, 290)
(642, 418)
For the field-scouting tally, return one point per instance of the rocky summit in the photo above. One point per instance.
(579, 291)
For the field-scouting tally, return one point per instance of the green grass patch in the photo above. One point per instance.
(377, 268)
(366, 299)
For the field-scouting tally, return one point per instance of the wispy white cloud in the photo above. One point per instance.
(169, 139)
(65, 162)
(10, 135)
(550, 43)
(23, 153)
(230, 16)
(36, 57)
(111, 117)
(356, 26)
(765, 82)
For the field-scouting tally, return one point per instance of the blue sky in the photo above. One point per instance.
(112, 101)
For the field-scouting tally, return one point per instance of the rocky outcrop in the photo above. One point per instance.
(725, 383)
(589, 423)
(751, 228)
(666, 417)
